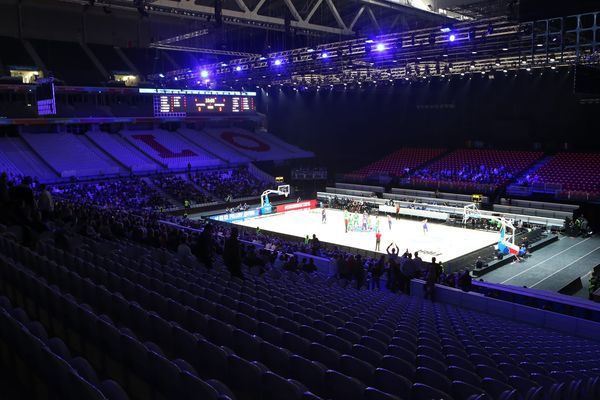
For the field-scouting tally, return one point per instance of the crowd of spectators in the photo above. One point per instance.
(180, 189)
(122, 193)
(482, 174)
(229, 184)
(169, 190)
(529, 180)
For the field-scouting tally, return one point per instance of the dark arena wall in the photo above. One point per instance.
(509, 111)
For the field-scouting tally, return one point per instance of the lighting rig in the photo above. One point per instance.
(467, 48)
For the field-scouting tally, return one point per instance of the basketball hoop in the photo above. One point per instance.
(284, 189)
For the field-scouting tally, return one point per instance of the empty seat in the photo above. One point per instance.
(421, 391)
(275, 387)
(356, 368)
(432, 378)
(390, 382)
(463, 390)
(342, 387)
(398, 366)
(308, 372)
(325, 355)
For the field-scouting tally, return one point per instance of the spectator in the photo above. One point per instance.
(376, 270)
(464, 280)
(45, 202)
(3, 188)
(232, 256)
(358, 271)
(430, 280)
(183, 249)
(310, 267)
(204, 250)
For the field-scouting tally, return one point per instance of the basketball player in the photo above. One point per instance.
(346, 220)
(323, 217)
(377, 240)
(389, 218)
(425, 229)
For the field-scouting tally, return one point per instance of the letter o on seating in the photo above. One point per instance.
(247, 142)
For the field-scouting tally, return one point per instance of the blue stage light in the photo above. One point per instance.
(238, 68)
(452, 37)
(204, 73)
(324, 55)
(277, 62)
(380, 47)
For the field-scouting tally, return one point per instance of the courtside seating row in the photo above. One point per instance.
(267, 338)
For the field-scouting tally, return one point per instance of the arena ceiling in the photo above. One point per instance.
(223, 27)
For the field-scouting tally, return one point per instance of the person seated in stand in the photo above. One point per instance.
(464, 280)
(309, 267)
(292, 264)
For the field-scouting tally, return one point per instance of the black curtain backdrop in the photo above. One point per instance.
(347, 129)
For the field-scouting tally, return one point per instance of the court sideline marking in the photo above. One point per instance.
(543, 261)
(566, 266)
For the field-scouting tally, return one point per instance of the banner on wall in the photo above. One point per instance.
(301, 205)
(236, 216)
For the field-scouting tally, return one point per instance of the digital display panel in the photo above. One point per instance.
(182, 103)
(204, 104)
(45, 98)
(172, 103)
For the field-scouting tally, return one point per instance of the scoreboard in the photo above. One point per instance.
(170, 104)
(182, 103)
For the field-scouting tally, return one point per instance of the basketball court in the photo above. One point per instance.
(441, 241)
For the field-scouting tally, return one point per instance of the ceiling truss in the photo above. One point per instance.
(481, 47)
(245, 15)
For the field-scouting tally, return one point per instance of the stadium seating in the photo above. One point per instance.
(180, 189)
(231, 182)
(170, 149)
(123, 151)
(398, 163)
(579, 172)
(18, 154)
(216, 147)
(153, 326)
(71, 155)
(475, 168)
(119, 193)
(7, 166)
(256, 146)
